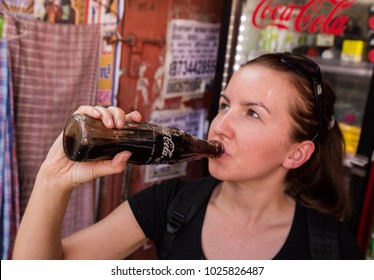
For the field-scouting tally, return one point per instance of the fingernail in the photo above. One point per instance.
(96, 112)
(110, 121)
(120, 123)
(126, 156)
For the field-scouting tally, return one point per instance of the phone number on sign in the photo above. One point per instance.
(192, 67)
(232, 270)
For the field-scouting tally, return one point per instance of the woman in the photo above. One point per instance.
(283, 158)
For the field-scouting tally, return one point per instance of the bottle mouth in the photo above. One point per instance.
(219, 148)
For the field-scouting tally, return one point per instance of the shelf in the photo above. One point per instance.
(335, 66)
(362, 69)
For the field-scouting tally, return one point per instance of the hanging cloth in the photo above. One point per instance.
(9, 193)
(54, 70)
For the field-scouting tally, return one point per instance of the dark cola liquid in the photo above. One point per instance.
(106, 149)
(87, 139)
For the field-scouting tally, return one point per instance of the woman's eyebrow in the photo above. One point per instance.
(225, 97)
(259, 104)
(246, 104)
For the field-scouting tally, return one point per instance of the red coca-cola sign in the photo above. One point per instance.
(310, 17)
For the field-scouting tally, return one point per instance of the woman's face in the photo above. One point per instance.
(254, 125)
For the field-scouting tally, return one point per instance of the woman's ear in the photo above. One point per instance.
(299, 154)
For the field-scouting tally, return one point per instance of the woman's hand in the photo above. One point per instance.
(59, 170)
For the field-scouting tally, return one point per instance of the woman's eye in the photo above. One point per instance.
(223, 106)
(253, 114)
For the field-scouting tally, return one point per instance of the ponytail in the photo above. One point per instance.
(319, 183)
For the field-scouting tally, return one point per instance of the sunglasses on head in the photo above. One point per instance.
(306, 67)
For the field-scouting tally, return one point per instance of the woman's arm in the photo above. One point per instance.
(114, 237)
(39, 235)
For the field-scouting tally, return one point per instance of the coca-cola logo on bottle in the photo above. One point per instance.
(309, 17)
(169, 146)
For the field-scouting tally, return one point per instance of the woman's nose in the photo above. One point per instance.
(224, 125)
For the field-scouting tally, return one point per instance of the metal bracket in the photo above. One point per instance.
(136, 49)
(359, 160)
(358, 165)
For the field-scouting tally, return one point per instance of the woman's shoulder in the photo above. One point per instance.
(151, 205)
(330, 238)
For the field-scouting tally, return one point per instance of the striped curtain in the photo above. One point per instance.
(9, 194)
(55, 69)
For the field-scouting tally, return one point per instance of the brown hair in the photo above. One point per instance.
(318, 183)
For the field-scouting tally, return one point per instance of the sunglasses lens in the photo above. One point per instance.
(300, 64)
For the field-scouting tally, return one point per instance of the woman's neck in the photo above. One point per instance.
(252, 202)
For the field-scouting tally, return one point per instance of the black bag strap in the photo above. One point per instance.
(182, 208)
(323, 236)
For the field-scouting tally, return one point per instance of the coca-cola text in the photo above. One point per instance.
(308, 17)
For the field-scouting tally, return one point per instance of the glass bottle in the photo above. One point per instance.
(87, 139)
